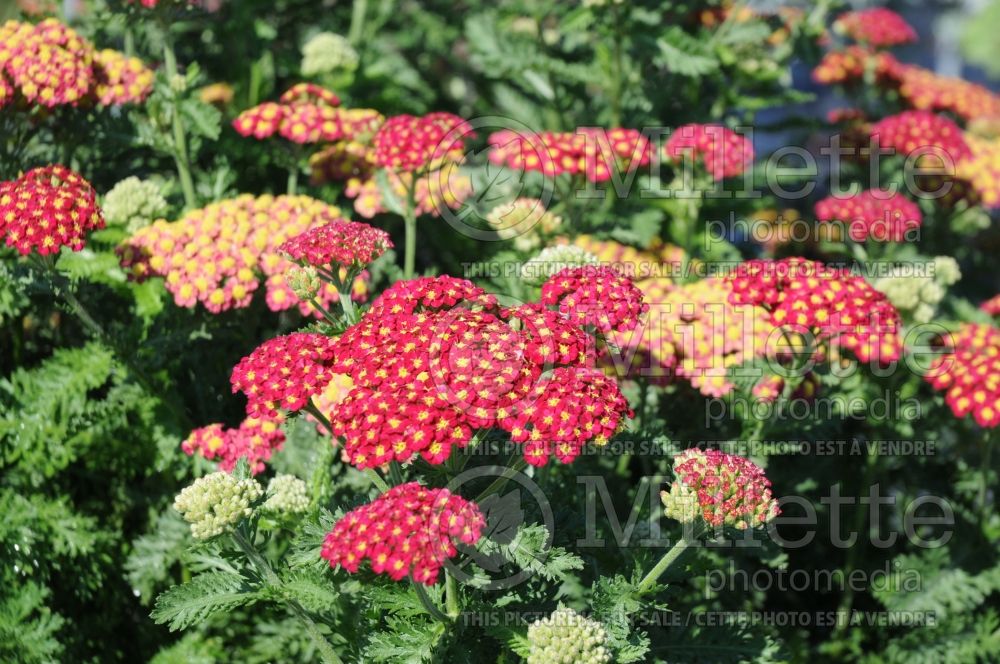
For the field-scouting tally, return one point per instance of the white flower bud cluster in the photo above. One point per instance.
(134, 204)
(553, 259)
(216, 502)
(287, 494)
(327, 52)
(917, 297)
(566, 637)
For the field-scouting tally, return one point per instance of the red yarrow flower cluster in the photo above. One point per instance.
(723, 489)
(256, 439)
(409, 531)
(969, 373)
(589, 151)
(877, 26)
(435, 359)
(434, 192)
(345, 243)
(831, 305)
(921, 133)
(926, 90)
(872, 215)
(306, 113)
(595, 295)
(49, 65)
(723, 152)
(217, 255)
(47, 209)
(852, 63)
(283, 373)
(991, 306)
(412, 143)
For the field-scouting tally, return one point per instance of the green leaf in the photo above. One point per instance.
(202, 119)
(682, 54)
(201, 597)
(404, 642)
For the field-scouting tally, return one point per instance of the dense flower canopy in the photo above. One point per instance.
(722, 489)
(592, 152)
(255, 439)
(408, 531)
(723, 152)
(852, 63)
(872, 215)
(47, 209)
(921, 132)
(595, 295)
(412, 143)
(832, 305)
(341, 242)
(969, 373)
(217, 255)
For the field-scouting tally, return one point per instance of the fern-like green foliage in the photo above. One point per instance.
(529, 550)
(28, 628)
(202, 597)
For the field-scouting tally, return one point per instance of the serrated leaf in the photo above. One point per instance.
(200, 598)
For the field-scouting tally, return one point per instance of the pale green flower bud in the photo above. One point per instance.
(946, 270)
(304, 282)
(566, 637)
(553, 259)
(287, 494)
(327, 52)
(216, 502)
(134, 204)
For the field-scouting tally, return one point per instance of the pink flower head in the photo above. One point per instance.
(256, 439)
(723, 489)
(120, 79)
(969, 373)
(871, 214)
(876, 26)
(921, 133)
(595, 295)
(926, 90)
(409, 530)
(723, 152)
(425, 293)
(830, 304)
(46, 209)
(991, 306)
(48, 63)
(850, 65)
(284, 372)
(592, 152)
(340, 242)
(417, 143)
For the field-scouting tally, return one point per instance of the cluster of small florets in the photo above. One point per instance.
(216, 255)
(991, 306)
(434, 192)
(721, 489)
(47, 209)
(551, 260)
(409, 531)
(343, 160)
(969, 373)
(831, 305)
(306, 113)
(590, 152)
(286, 494)
(50, 65)
(853, 63)
(921, 132)
(412, 143)
(566, 637)
(595, 296)
(876, 26)
(133, 204)
(926, 90)
(525, 220)
(694, 332)
(339, 243)
(651, 268)
(256, 439)
(327, 52)
(723, 152)
(215, 503)
(982, 169)
(283, 373)
(874, 215)
(917, 296)
(435, 359)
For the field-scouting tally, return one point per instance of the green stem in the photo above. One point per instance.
(377, 479)
(847, 600)
(323, 310)
(986, 449)
(347, 306)
(686, 541)
(181, 157)
(259, 563)
(428, 603)
(358, 11)
(501, 481)
(451, 596)
(410, 222)
(395, 473)
(293, 181)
